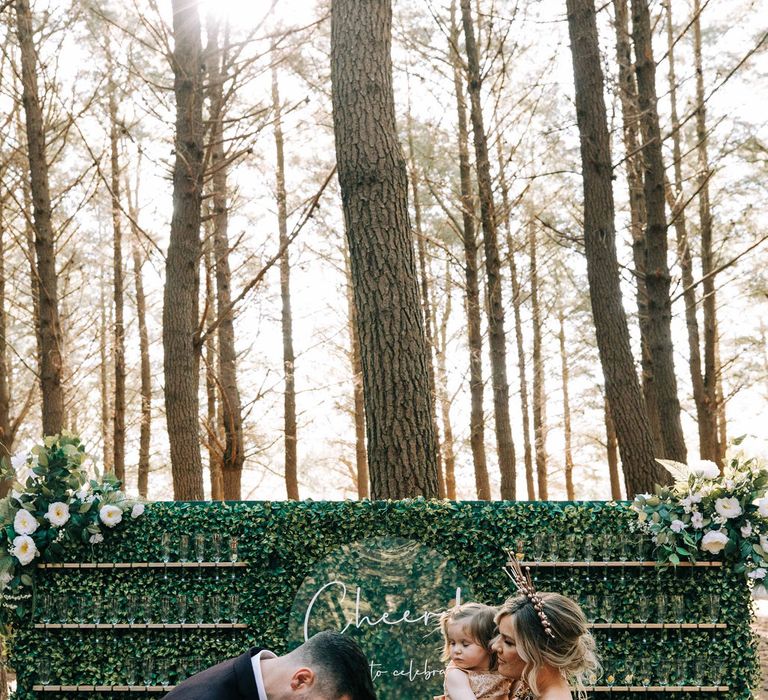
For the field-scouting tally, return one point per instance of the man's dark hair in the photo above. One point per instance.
(340, 664)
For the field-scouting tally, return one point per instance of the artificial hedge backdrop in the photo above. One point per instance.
(281, 541)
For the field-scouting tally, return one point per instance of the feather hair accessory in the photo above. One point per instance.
(524, 585)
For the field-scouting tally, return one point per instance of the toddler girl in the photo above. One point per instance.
(468, 630)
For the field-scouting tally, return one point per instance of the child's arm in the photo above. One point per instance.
(457, 685)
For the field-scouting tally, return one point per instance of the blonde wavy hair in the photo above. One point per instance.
(572, 650)
(478, 620)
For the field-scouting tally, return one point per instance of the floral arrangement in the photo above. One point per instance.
(53, 505)
(706, 511)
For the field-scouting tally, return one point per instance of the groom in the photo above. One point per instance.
(328, 666)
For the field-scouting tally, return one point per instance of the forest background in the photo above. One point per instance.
(275, 263)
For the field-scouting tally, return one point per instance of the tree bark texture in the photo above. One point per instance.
(289, 359)
(145, 421)
(230, 409)
(182, 268)
(611, 443)
(471, 283)
(6, 435)
(105, 384)
(214, 439)
(539, 392)
(358, 400)
(118, 419)
(567, 434)
(675, 198)
(48, 325)
(657, 278)
(711, 447)
(634, 169)
(621, 384)
(402, 451)
(504, 444)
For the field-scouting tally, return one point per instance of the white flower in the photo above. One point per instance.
(762, 507)
(695, 497)
(19, 460)
(729, 484)
(677, 526)
(24, 523)
(746, 529)
(686, 504)
(24, 549)
(714, 541)
(58, 513)
(84, 496)
(764, 543)
(95, 539)
(728, 507)
(110, 515)
(697, 520)
(705, 469)
(719, 520)
(137, 510)
(759, 572)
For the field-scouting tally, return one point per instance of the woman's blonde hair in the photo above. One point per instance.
(478, 620)
(572, 650)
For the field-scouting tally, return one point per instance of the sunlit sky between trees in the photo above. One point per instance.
(529, 108)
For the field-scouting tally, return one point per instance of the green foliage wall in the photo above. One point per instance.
(281, 542)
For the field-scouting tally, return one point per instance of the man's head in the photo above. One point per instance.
(329, 666)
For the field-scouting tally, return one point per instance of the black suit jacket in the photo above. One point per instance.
(232, 679)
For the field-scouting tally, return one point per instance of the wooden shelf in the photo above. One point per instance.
(609, 564)
(658, 625)
(146, 565)
(141, 626)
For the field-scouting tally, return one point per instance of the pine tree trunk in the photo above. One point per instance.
(722, 425)
(118, 440)
(214, 438)
(402, 451)
(633, 431)
(539, 392)
(6, 434)
(634, 167)
(657, 278)
(145, 423)
(516, 303)
(361, 458)
(105, 384)
(182, 269)
(425, 300)
(710, 448)
(289, 398)
(570, 493)
(504, 444)
(49, 329)
(612, 445)
(441, 348)
(471, 284)
(676, 205)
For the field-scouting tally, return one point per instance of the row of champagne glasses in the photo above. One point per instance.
(588, 548)
(658, 609)
(146, 671)
(201, 546)
(166, 609)
(646, 672)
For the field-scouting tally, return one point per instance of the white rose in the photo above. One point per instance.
(24, 523)
(137, 510)
(695, 497)
(757, 573)
(24, 549)
(18, 461)
(697, 520)
(728, 507)
(714, 541)
(58, 513)
(705, 469)
(746, 529)
(82, 495)
(110, 515)
(677, 526)
(762, 507)
(95, 539)
(730, 484)
(764, 543)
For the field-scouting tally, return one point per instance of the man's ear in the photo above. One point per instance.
(302, 679)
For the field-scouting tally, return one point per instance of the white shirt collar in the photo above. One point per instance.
(256, 663)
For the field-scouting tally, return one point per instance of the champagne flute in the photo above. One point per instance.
(233, 554)
(181, 604)
(165, 552)
(215, 607)
(713, 606)
(234, 607)
(216, 550)
(200, 553)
